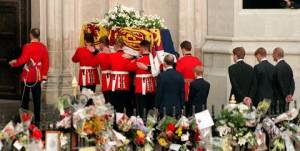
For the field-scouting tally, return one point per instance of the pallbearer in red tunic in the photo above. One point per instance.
(102, 60)
(144, 81)
(186, 65)
(35, 58)
(88, 73)
(120, 81)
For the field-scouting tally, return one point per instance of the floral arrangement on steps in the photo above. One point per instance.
(23, 135)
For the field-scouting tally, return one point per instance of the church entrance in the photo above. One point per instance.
(14, 28)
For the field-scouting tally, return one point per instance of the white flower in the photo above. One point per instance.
(223, 130)
(242, 141)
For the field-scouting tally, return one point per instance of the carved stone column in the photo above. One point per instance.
(192, 23)
(51, 35)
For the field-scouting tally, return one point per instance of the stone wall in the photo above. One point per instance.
(230, 26)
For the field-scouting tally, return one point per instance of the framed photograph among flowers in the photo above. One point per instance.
(52, 141)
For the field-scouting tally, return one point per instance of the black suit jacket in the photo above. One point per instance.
(264, 75)
(284, 83)
(199, 90)
(243, 81)
(170, 91)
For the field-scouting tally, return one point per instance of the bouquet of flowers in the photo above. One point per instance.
(182, 133)
(26, 116)
(66, 109)
(195, 135)
(151, 122)
(234, 122)
(262, 108)
(94, 122)
(294, 129)
(167, 129)
(221, 144)
(260, 138)
(27, 136)
(123, 122)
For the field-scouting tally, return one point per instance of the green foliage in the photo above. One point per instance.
(233, 118)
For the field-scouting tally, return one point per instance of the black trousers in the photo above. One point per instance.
(144, 102)
(191, 108)
(36, 95)
(91, 87)
(279, 106)
(121, 99)
(107, 96)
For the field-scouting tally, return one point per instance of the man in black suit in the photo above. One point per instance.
(199, 90)
(284, 84)
(170, 88)
(242, 78)
(264, 75)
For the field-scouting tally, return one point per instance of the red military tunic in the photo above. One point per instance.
(185, 65)
(144, 81)
(36, 60)
(102, 60)
(88, 73)
(119, 72)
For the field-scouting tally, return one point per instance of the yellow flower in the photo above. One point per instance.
(179, 131)
(140, 134)
(1, 136)
(162, 142)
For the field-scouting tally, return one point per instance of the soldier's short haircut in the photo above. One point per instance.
(89, 38)
(35, 32)
(186, 45)
(104, 40)
(145, 44)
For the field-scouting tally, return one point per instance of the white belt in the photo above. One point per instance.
(86, 77)
(105, 71)
(86, 68)
(144, 76)
(118, 78)
(144, 82)
(119, 72)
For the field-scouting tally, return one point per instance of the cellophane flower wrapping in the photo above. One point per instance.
(221, 144)
(270, 127)
(289, 146)
(26, 116)
(260, 138)
(9, 130)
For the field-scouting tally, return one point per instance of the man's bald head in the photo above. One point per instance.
(169, 60)
(198, 70)
(278, 53)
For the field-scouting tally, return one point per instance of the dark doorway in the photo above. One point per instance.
(14, 27)
(262, 4)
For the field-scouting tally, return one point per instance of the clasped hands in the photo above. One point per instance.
(247, 101)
